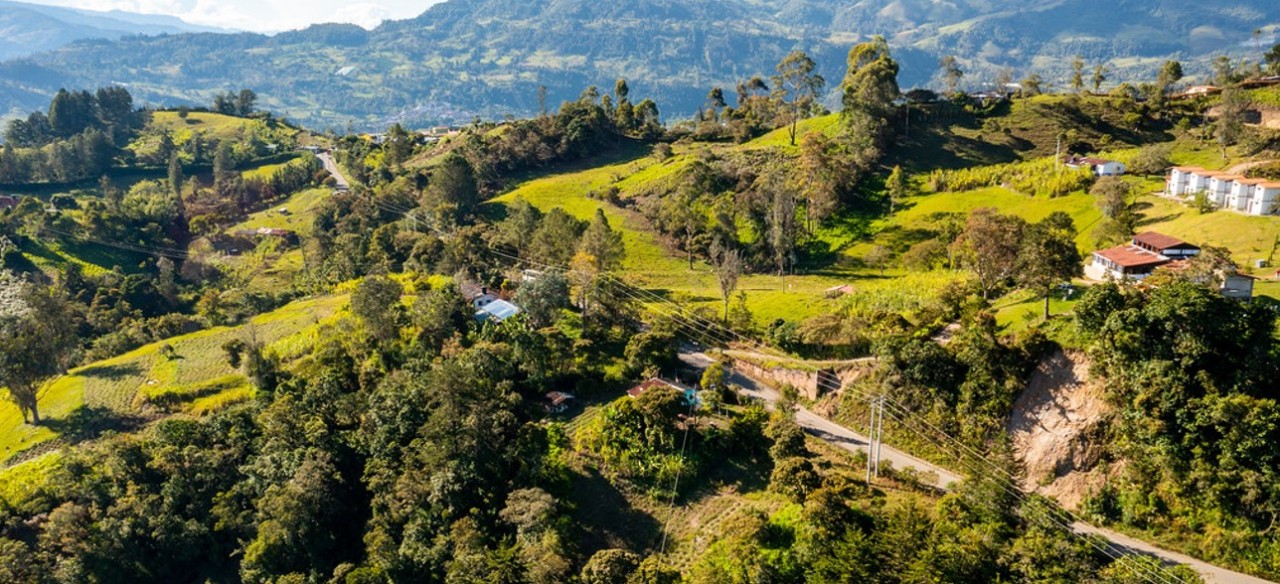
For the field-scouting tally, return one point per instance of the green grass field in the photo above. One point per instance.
(1248, 238)
(300, 207)
(216, 126)
(922, 214)
(20, 481)
(651, 266)
(95, 260)
(128, 389)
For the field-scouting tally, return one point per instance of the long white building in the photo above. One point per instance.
(1225, 190)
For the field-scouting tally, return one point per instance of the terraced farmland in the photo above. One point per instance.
(133, 388)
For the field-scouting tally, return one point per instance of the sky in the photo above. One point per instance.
(262, 15)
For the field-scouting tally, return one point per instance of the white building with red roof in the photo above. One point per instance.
(1137, 260)
(1225, 190)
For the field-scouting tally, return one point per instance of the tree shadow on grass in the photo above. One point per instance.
(90, 422)
(607, 519)
(667, 294)
(1145, 221)
(111, 372)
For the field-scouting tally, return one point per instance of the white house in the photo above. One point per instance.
(1198, 181)
(497, 311)
(1100, 166)
(1179, 183)
(1140, 258)
(1170, 247)
(1266, 198)
(1220, 186)
(1224, 190)
(1241, 195)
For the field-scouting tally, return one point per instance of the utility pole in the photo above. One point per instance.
(879, 434)
(874, 437)
(871, 442)
(1057, 156)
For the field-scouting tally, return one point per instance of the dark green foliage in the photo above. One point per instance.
(1192, 374)
(376, 301)
(612, 566)
(1097, 305)
(1049, 256)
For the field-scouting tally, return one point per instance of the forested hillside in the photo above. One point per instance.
(464, 58)
(586, 346)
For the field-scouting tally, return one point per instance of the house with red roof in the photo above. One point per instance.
(1224, 190)
(1137, 260)
(1100, 166)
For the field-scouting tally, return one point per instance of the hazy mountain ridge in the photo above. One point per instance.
(487, 57)
(27, 29)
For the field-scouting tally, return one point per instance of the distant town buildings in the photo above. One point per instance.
(1224, 190)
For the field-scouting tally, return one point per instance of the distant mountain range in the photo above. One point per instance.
(26, 29)
(466, 58)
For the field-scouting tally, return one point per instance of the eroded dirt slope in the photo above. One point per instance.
(1054, 429)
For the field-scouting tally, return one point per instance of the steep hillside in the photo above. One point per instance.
(1054, 429)
(488, 57)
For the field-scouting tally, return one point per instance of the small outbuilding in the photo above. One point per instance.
(1100, 166)
(558, 401)
(497, 311)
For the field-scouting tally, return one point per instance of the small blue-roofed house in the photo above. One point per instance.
(497, 311)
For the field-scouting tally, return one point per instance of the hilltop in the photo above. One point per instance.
(467, 58)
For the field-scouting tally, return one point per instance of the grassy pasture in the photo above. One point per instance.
(129, 389)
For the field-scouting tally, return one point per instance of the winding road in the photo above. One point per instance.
(340, 182)
(851, 441)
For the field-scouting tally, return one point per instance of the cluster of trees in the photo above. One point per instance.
(325, 475)
(110, 110)
(233, 103)
(406, 444)
(704, 208)
(79, 137)
(1192, 375)
(588, 126)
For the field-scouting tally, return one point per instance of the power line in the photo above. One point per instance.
(689, 320)
(1006, 484)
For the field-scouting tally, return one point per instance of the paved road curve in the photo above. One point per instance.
(331, 166)
(847, 439)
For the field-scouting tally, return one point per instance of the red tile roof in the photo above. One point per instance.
(557, 398)
(1129, 256)
(1157, 240)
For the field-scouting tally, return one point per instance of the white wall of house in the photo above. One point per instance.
(1109, 168)
(1265, 199)
(1219, 189)
(1179, 182)
(1240, 197)
(1197, 182)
